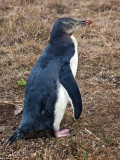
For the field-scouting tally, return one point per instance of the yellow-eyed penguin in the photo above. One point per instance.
(52, 83)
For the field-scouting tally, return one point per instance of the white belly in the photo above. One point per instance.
(63, 96)
(60, 106)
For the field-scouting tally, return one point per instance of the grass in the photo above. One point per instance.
(21, 82)
(25, 27)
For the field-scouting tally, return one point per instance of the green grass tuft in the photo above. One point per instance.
(21, 82)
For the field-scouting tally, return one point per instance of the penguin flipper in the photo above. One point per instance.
(68, 81)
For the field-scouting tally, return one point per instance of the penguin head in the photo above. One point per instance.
(67, 26)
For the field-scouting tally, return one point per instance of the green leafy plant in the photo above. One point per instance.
(21, 82)
(25, 69)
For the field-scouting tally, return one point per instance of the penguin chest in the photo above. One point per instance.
(74, 59)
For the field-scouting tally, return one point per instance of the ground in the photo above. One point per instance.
(25, 27)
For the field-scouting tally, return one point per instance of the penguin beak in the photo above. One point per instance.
(84, 22)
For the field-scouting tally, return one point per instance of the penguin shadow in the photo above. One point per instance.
(43, 134)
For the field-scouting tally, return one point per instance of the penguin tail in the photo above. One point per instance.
(19, 134)
(13, 138)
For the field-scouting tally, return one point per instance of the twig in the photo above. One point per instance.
(93, 135)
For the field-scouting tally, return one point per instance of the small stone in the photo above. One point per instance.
(33, 155)
(18, 111)
(2, 129)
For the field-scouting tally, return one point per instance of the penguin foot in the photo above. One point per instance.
(62, 133)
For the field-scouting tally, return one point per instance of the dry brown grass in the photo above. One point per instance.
(25, 27)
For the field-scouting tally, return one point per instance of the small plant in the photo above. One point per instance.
(86, 155)
(21, 82)
(25, 69)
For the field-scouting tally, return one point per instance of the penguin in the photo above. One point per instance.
(51, 83)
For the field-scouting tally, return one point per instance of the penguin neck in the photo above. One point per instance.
(61, 39)
(74, 41)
